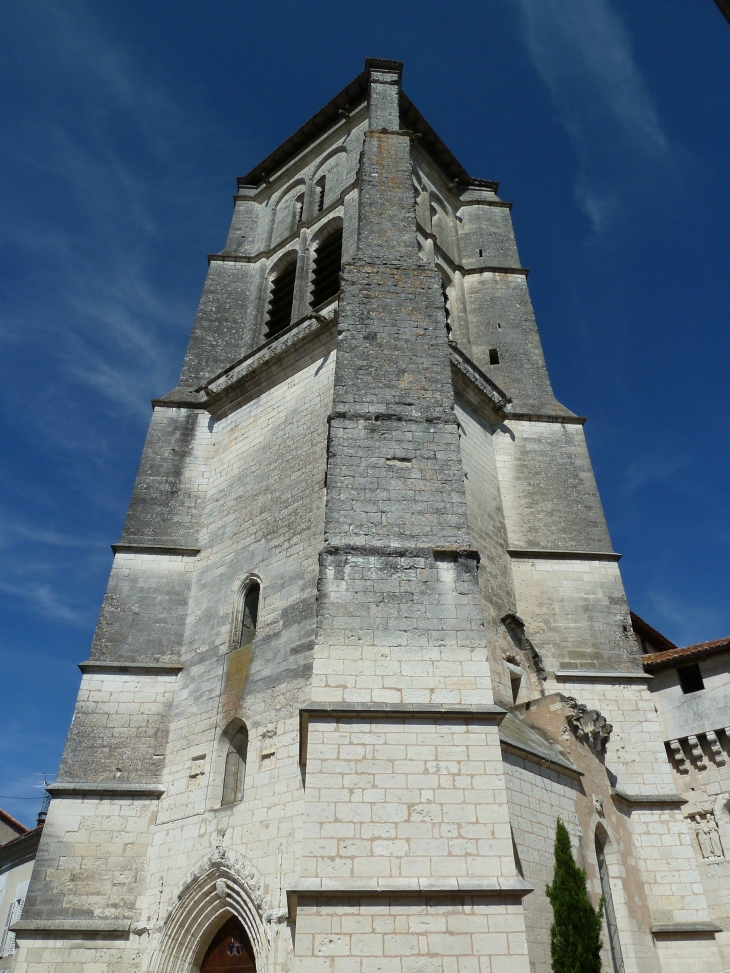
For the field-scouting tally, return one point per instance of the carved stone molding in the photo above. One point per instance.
(588, 725)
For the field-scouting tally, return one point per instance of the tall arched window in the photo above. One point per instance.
(234, 772)
(281, 300)
(611, 924)
(249, 614)
(327, 263)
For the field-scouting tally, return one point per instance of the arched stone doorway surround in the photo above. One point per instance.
(224, 885)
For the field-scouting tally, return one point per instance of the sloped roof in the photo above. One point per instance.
(645, 629)
(516, 734)
(10, 821)
(22, 848)
(674, 657)
(345, 102)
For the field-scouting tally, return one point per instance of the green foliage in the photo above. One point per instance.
(575, 935)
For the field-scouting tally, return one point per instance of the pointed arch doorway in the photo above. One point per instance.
(230, 950)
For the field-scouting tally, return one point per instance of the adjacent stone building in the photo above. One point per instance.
(365, 635)
(18, 847)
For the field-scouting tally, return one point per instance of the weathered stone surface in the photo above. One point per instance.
(421, 556)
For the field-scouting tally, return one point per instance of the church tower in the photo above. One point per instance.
(365, 635)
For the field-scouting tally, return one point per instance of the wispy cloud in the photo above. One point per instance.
(105, 158)
(691, 622)
(115, 156)
(583, 53)
(45, 600)
(650, 469)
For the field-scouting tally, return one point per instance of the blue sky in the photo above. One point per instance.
(124, 126)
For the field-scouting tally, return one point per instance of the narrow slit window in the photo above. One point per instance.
(493, 356)
(249, 614)
(327, 263)
(690, 679)
(447, 309)
(299, 209)
(281, 301)
(609, 913)
(481, 252)
(234, 773)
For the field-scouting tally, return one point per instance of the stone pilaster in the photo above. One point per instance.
(406, 822)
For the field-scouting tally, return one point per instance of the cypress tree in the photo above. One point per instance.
(575, 935)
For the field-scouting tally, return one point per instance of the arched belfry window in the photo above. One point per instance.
(249, 614)
(611, 924)
(327, 265)
(234, 771)
(230, 950)
(281, 300)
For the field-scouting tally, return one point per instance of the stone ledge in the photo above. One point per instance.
(587, 675)
(73, 927)
(366, 550)
(685, 928)
(181, 398)
(104, 789)
(155, 547)
(392, 711)
(131, 668)
(564, 555)
(302, 343)
(496, 398)
(420, 887)
(520, 271)
(568, 418)
(522, 748)
(648, 800)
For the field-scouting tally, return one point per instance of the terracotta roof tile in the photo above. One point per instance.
(656, 660)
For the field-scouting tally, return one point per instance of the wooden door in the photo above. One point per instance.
(230, 951)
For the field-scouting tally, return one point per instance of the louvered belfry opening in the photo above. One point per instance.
(327, 263)
(281, 300)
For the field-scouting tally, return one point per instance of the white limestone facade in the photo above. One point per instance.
(365, 636)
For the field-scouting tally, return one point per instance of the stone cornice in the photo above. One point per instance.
(639, 801)
(302, 343)
(517, 552)
(523, 750)
(107, 928)
(92, 667)
(496, 399)
(319, 888)
(568, 418)
(106, 789)
(139, 546)
(612, 676)
(685, 928)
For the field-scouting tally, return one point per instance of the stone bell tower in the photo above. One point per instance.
(365, 635)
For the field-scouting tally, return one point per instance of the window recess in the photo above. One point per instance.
(281, 300)
(327, 265)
